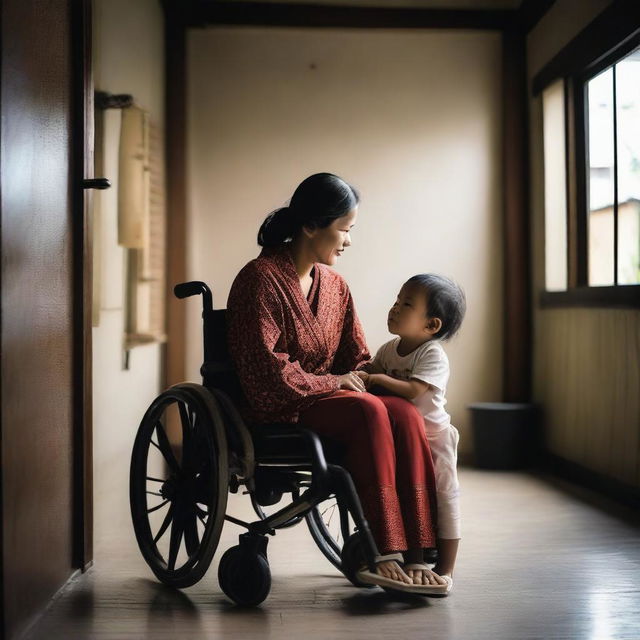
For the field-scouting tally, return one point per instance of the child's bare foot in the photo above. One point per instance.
(443, 571)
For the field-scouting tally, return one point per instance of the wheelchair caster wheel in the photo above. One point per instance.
(353, 559)
(244, 576)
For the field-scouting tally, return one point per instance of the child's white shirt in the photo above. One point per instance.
(429, 363)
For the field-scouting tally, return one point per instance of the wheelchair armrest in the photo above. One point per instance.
(288, 433)
(315, 448)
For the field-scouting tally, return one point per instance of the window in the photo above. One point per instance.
(613, 152)
(591, 138)
(555, 193)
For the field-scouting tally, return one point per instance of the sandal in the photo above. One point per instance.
(369, 577)
(434, 589)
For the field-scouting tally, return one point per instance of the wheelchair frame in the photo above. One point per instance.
(219, 454)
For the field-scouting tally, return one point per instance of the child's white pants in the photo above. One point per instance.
(444, 450)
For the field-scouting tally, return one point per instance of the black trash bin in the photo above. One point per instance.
(505, 434)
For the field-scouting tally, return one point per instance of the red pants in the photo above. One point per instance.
(389, 460)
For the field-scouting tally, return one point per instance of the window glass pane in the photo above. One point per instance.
(600, 177)
(555, 185)
(628, 129)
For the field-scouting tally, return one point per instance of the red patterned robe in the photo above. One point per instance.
(289, 352)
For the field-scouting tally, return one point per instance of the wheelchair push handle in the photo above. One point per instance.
(194, 288)
(187, 289)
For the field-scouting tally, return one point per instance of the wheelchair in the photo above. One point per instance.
(192, 448)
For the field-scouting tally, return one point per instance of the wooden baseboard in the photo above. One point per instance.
(577, 474)
(465, 459)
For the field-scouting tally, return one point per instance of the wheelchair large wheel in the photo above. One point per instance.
(327, 525)
(179, 484)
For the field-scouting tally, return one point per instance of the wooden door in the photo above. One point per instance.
(37, 306)
(46, 350)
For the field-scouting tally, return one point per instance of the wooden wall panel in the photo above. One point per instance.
(587, 372)
(36, 306)
(516, 376)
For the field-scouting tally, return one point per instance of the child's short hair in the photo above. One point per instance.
(445, 300)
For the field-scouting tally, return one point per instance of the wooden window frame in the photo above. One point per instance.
(605, 41)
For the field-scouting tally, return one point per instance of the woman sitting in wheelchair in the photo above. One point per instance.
(297, 345)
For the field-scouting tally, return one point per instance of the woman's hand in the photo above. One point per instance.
(352, 381)
(367, 378)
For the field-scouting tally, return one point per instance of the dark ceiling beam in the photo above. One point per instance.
(607, 32)
(531, 12)
(202, 13)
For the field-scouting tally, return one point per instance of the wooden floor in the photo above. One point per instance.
(538, 561)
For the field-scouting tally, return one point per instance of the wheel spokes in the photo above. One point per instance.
(181, 518)
(203, 487)
(196, 457)
(202, 514)
(165, 448)
(174, 543)
(189, 449)
(165, 524)
(159, 506)
(344, 521)
(191, 440)
(191, 540)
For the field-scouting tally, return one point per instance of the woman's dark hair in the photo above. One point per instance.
(316, 203)
(445, 300)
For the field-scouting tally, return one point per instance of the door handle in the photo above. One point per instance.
(96, 183)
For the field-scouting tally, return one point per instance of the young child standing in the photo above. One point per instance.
(428, 310)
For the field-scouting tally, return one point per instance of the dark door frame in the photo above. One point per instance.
(82, 154)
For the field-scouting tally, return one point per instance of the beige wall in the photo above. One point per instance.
(128, 58)
(586, 371)
(412, 118)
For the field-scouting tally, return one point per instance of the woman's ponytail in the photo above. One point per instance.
(277, 228)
